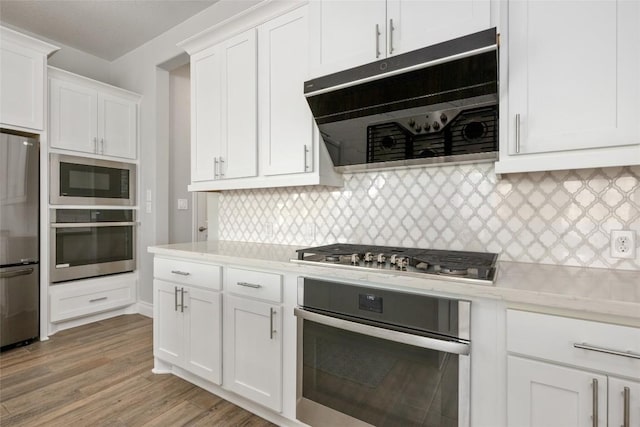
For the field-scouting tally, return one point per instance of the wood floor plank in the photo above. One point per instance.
(100, 375)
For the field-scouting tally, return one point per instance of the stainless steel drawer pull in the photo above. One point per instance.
(626, 415)
(585, 346)
(594, 416)
(175, 298)
(391, 28)
(182, 306)
(98, 299)
(181, 273)
(249, 285)
(272, 312)
(517, 133)
(377, 41)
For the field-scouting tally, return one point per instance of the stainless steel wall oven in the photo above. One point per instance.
(85, 181)
(369, 356)
(91, 242)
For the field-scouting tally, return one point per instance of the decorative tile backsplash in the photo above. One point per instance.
(561, 217)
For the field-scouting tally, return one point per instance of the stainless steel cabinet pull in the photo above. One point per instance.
(272, 312)
(249, 285)
(391, 28)
(175, 298)
(181, 273)
(101, 145)
(95, 145)
(585, 346)
(517, 133)
(594, 385)
(215, 168)
(221, 167)
(626, 416)
(182, 306)
(306, 151)
(377, 41)
(16, 273)
(98, 299)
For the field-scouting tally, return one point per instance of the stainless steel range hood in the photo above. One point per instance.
(432, 105)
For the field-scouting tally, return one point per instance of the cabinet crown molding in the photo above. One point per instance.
(58, 73)
(236, 24)
(7, 34)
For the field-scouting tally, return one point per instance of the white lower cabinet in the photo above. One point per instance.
(252, 335)
(568, 372)
(253, 350)
(187, 328)
(544, 394)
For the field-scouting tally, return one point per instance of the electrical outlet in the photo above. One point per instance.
(623, 244)
(183, 204)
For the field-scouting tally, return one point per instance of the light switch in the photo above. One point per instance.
(149, 199)
(148, 207)
(183, 205)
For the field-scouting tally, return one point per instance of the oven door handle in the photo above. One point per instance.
(455, 347)
(90, 224)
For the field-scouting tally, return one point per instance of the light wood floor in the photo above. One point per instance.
(100, 375)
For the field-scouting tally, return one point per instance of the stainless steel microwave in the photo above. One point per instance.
(86, 181)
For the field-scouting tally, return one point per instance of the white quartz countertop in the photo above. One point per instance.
(591, 293)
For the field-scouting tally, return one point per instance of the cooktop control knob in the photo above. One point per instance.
(426, 126)
(412, 123)
(443, 118)
(381, 259)
(419, 128)
(436, 126)
(355, 259)
(368, 257)
(401, 263)
(392, 260)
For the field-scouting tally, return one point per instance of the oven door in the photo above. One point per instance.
(81, 250)
(355, 374)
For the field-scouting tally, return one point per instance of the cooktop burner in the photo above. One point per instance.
(476, 267)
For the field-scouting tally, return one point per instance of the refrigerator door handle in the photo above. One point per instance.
(16, 273)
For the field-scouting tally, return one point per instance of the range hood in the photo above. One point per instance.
(432, 105)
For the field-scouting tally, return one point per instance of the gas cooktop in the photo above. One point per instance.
(474, 267)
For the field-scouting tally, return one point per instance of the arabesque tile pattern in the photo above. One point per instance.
(560, 217)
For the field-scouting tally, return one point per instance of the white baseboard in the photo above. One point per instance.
(145, 308)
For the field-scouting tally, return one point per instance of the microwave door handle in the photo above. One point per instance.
(91, 224)
(455, 347)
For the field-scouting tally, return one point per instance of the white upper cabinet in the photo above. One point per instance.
(23, 67)
(224, 110)
(251, 125)
(571, 95)
(87, 116)
(345, 34)
(286, 124)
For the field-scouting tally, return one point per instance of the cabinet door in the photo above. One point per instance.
(168, 323)
(117, 126)
(203, 335)
(286, 124)
(573, 75)
(343, 34)
(22, 86)
(240, 103)
(547, 395)
(253, 350)
(206, 113)
(73, 117)
(617, 408)
(418, 24)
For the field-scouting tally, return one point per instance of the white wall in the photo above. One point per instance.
(180, 221)
(142, 71)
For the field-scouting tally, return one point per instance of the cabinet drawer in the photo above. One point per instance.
(559, 339)
(187, 272)
(257, 284)
(77, 299)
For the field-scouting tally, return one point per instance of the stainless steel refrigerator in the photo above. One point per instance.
(19, 238)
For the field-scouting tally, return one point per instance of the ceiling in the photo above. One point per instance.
(107, 29)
